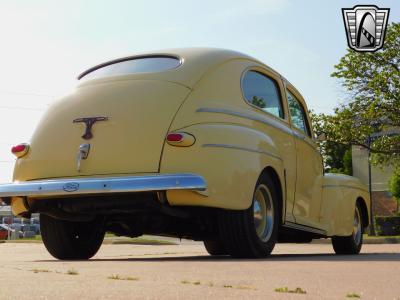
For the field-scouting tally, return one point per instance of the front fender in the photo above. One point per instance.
(340, 193)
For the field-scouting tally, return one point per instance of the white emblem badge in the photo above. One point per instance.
(365, 27)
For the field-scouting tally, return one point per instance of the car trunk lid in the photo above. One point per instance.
(130, 119)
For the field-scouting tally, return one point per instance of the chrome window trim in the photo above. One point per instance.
(127, 58)
(306, 116)
(242, 148)
(253, 68)
(82, 186)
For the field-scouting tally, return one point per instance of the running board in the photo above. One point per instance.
(304, 228)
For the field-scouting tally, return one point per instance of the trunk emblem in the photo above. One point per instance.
(71, 187)
(83, 153)
(89, 124)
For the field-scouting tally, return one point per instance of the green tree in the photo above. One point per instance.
(337, 156)
(258, 101)
(394, 185)
(372, 82)
(347, 162)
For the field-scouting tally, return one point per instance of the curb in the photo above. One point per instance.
(370, 241)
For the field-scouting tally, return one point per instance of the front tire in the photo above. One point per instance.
(71, 240)
(252, 233)
(351, 244)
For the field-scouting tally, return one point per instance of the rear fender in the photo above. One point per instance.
(230, 158)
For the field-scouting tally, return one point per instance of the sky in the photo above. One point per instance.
(44, 45)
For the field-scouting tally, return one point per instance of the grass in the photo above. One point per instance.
(185, 282)
(72, 272)
(40, 271)
(227, 286)
(110, 239)
(137, 241)
(353, 295)
(285, 289)
(119, 277)
(69, 272)
(245, 287)
(366, 236)
(190, 282)
(35, 239)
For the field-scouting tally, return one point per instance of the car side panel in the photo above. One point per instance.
(234, 142)
(229, 157)
(340, 193)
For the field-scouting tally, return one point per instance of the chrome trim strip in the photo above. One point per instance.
(345, 186)
(267, 121)
(304, 228)
(242, 148)
(299, 135)
(80, 186)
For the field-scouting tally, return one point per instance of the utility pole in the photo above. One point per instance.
(371, 221)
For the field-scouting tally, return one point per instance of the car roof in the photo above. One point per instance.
(195, 62)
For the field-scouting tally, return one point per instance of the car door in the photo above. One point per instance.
(308, 195)
(264, 91)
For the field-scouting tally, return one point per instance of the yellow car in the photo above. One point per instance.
(205, 144)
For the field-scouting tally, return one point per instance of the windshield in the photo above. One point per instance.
(148, 64)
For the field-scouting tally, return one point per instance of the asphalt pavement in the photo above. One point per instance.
(185, 271)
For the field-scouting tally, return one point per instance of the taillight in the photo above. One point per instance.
(175, 137)
(20, 150)
(180, 139)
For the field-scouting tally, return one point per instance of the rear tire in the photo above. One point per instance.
(252, 233)
(351, 244)
(71, 240)
(215, 247)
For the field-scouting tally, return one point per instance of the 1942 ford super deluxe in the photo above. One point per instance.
(205, 144)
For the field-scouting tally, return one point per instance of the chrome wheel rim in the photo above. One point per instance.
(357, 227)
(263, 213)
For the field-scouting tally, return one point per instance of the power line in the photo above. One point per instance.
(26, 94)
(21, 108)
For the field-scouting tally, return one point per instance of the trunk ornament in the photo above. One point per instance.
(83, 153)
(89, 124)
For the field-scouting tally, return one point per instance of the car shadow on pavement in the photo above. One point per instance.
(272, 258)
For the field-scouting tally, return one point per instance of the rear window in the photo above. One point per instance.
(149, 64)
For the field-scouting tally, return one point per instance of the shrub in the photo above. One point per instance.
(394, 186)
(387, 226)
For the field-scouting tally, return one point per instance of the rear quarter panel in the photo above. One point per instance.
(233, 143)
(230, 157)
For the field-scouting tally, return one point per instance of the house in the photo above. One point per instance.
(5, 211)
(383, 204)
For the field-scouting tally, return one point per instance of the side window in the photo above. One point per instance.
(262, 91)
(297, 114)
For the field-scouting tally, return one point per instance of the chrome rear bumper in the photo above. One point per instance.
(85, 186)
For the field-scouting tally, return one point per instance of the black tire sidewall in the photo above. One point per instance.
(58, 238)
(259, 245)
(346, 244)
